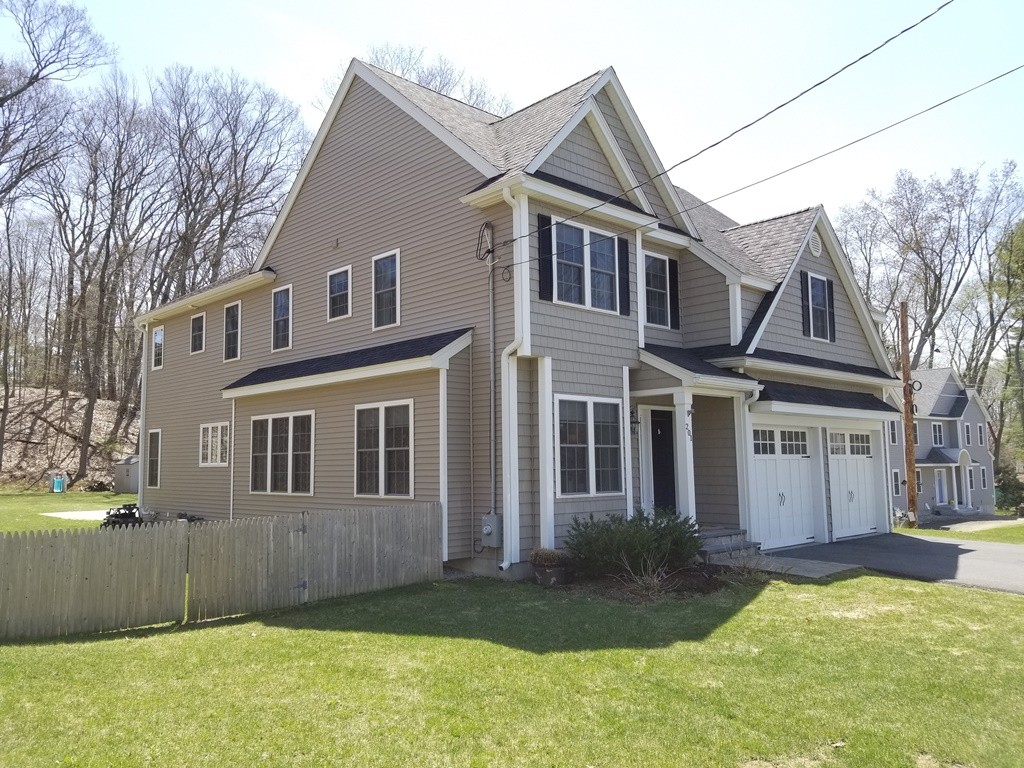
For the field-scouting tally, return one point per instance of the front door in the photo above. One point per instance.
(663, 459)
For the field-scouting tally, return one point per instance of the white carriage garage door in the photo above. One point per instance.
(783, 503)
(854, 483)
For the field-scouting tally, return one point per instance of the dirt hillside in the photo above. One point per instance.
(43, 433)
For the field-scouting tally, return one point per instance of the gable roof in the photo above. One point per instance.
(775, 242)
(832, 398)
(932, 401)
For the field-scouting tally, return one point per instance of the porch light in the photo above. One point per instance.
(634, 421)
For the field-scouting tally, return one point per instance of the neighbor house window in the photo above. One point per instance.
(893, 433)
(213, 445)
(818, 299)
(384, 449)
(281, 458)
(970, 478)
(967, 434)
(981, 434)
(338, 303)
(158, 348)
(232, 331)
(153, 459)
(897, 487)
(937, 436)
(197, 334)
(984, 477)
(918, 481)
(386, 273)
(916, 437)
(586, 270)
(281, 323)
(656, 279)
(589, 446)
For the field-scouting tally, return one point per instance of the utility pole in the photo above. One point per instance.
(908, 420)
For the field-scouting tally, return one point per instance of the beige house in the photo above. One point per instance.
(523, 319)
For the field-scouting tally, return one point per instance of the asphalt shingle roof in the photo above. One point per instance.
(939, 457)
(930, 399)
(773, 243)
(693, 363)
(834, 398)
(360, 358)
(724, 350)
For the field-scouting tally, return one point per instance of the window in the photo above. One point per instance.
(764, 442)
(970, 478)
(937, 436)
(197, 334)
(213, 445)
(860, 444)
(338, 304)
(793, 442)
(981, 434)
(158, 348)
(919, 484)
(384, 456)
(819, 307)
(233, 331)
(897, 487)
(837, 443)
(589, 447)
(586, 271)
(657, 290)
(967, 434)
(916, 439)
(984, 477)
(893, 433)
(281, 458)
(281, 323)
(385, 290)
(153, 459)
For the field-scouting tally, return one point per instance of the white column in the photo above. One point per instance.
(685, 497)
(546, 452)
(627, 440)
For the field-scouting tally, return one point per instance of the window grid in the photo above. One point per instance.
(586, 267)
(792, 442)
(819, 307)
(860, 444)
(589, 447)
(213, 444)
(837, 443)
(656, 280)
(764, 442)
(385, 290)
(938, 439)
(197, 334)
(281, 328)
(338, 299)
(232, 331)
(281, 454)
(384, 449)
(158, 348)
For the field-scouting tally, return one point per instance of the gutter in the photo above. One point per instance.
(196, 300)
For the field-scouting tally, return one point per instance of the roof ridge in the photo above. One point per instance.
(774, 218)
(551, 95)
(496, 118)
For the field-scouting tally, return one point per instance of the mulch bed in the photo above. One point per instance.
(689, 582)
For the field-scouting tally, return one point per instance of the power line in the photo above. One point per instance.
(506, 270)
(622, 196)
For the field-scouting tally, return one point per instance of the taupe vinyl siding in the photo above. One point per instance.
(629, 151)
(714, 462)
(654, 334)
(704, 296)
(646, 377)
(460, 456)
(750, 300)
(529, 467)
(380, 182)
(581, 160)
(784, 332)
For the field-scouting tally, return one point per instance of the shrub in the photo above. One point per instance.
(550, 558)
(619, 546)
(1009, 488)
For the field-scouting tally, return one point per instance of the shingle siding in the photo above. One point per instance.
(704, 296)
(714, 462)
(581, 160)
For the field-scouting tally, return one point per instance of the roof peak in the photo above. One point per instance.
(592, 76)
(388, 72)
(776, 218)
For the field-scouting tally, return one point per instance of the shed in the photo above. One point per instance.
(126, 475)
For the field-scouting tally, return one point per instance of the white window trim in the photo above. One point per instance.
(587, 237)
(981, 435)
(918, 481)
(970, 478)
(152, 348)
(668, 297)
(290, 415)
(224, 346)
(811, 277)
(291, 317)
(897, 489)
(190, 321)
(159, 457)
(331, 274)
(937, 429)
(591, 449)
(894, 433)
(967, 434)
(222, 427)
(379, 407)
(984, 478)
(397, 253)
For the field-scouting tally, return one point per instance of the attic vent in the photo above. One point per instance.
(815, 244)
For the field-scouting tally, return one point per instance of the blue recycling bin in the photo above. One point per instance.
(58, 484)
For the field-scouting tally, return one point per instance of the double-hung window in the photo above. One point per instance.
(213, 445)
(338, 293)
(970, 478)
(153, 459)
(386, 290)
(967, 434)
(897, 486)
(281, 459)
(232, 331)
(918, 481)
(917, 439)
(656, 280)
(384, 454)
(197, 334)
(157, 352)
(589, 446)
(586, 268)
(281, 327)
(938, 439)
(819, 307)
(893, 433)
(981, 434)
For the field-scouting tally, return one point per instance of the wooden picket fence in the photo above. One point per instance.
(59, 583)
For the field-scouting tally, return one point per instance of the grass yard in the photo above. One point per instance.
(864, 671)
(23, 510)
(1005, 534)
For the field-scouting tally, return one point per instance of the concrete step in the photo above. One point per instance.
(721, 550)
(715, 538)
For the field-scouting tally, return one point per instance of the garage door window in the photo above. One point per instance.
(837, 443)
(764, 442)
(860, 444)
(793, 442)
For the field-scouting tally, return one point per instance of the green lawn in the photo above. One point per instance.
(1006, 534)
(864, 671)
(23, 510)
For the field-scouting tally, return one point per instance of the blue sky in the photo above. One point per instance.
(694, 72)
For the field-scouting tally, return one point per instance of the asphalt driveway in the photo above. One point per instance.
(971, 563)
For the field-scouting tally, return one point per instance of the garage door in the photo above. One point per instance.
(782, 508)
(854, 484)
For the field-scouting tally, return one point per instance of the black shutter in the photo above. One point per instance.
(673, 294)
(831, 311)
(544, 257)
(805, 301)
(624, 276)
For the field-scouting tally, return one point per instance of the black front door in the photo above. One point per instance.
(663, 461)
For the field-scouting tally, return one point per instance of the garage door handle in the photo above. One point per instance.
(782, 499)
(850, 493)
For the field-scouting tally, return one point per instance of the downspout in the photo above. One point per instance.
(143, 438)
(507, 432)
(231, 468)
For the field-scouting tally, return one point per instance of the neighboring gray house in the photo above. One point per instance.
(520, 316)
(954, 464)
